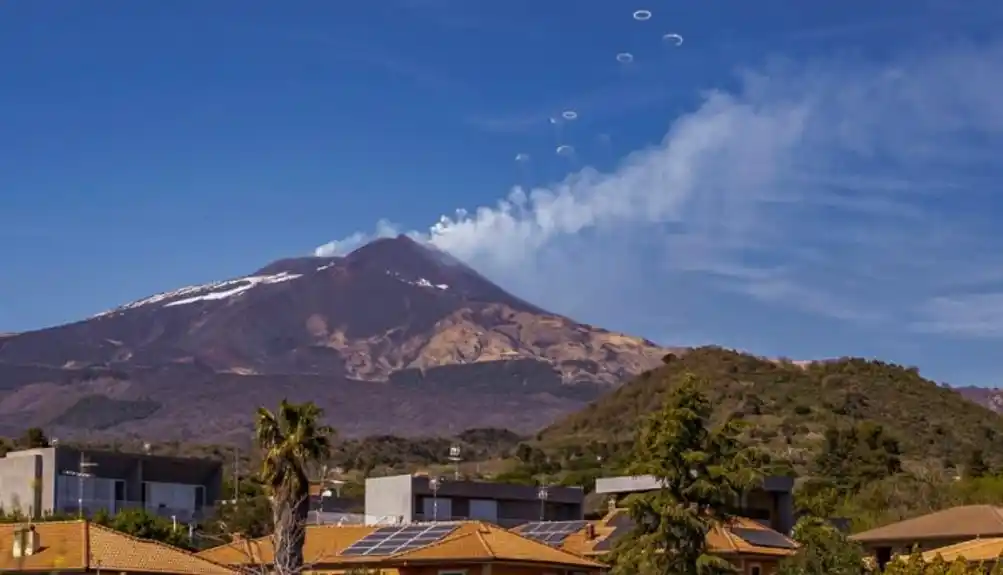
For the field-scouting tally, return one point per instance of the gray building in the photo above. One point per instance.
(68, 480)
(409, 499)
(772, 503)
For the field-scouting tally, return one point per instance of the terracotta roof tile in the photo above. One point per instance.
(485, 542)
(968, 521)
(81, 545)
(322, 543)
(719, 540)
(471, 541)
(974, 550)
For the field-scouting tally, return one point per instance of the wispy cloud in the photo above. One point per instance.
(851, 190)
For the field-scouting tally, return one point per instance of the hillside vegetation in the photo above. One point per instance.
(789, 408)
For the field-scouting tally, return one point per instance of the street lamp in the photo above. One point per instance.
(542, 494)
(82, 472)
(455, 457)
(433, 484)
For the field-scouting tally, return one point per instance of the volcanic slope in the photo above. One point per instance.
(395, 337)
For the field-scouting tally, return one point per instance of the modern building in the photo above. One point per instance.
(413, 499)
(74, 481)
(772, 503)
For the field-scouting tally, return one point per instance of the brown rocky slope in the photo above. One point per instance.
(396, 337)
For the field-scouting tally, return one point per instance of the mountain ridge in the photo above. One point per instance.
(394, 314)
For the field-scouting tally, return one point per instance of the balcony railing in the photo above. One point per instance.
(92, 506)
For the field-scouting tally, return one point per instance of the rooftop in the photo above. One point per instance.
(467, 541)
(82, 546)
(975, 550)
(741, 536)
(964, 522)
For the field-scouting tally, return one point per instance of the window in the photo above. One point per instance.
(755, 569)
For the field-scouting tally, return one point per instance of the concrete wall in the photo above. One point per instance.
(389, 497)
(22, 485)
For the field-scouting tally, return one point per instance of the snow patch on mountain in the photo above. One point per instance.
(206, 292)
(420, 282)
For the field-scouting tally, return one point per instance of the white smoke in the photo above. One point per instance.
(384, 229)
(809, 187)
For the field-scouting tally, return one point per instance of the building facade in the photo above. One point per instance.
(771, 503)
(412, 499)
(67, 480)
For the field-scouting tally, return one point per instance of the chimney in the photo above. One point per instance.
(611, 504)
(26, 541)
(590, 531)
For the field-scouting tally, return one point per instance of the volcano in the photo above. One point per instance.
(395, 337)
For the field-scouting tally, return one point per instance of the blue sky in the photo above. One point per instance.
(802, 179)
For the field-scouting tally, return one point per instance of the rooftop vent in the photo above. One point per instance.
(26, 541)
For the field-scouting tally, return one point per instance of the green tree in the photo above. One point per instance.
(145, 525)
(824, 551)
(976, 466)
(857, 455)
(702, 470)
(290, 439)
(33, 437)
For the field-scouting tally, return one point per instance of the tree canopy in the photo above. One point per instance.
(703, 472)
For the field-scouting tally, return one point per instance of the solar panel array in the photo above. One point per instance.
(551, 532)
(391, 540)
(764, 538)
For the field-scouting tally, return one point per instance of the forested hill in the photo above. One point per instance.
(790, 406)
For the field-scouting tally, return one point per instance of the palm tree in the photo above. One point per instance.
(291, 439)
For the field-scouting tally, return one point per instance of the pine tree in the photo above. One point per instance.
(703, 473)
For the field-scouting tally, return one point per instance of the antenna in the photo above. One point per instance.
(455, 457)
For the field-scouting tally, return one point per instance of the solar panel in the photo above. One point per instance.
(391, 540)
(764, 538)
(551, 532)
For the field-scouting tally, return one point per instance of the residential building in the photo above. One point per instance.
(771, 503)
(409, 499)
(64, 479)
(753, 548)
(932, 531)
(442, 548)
(83, 547)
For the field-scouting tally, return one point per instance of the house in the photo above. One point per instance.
(409, 499)
(752, 547)
(439, 548)
(932, 531)
(64, 479)
(771, 503)
(83, 547)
